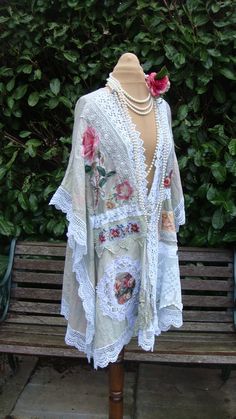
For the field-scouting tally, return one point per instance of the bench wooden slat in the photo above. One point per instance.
(33, 319)
(200, 317)
(60, 321)
(39, 264)
(36, 293)
(37, 277)
(32, 307)
(205, 255)
(206, 284)
(207, 316)
(172, 345)
(40, 248)
(207, 271)
(207, 301)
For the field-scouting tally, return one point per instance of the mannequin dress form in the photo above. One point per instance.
(129, 73)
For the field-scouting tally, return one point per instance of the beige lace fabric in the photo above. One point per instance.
(121, 278)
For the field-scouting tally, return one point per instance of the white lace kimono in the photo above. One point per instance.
(121, 278)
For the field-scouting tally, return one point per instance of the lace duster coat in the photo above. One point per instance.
(121, 276)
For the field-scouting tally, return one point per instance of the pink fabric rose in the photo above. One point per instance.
(89, 143)
(124, 190)
(157, 87)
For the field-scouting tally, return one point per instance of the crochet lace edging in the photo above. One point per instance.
(77, 241)
(179, 213)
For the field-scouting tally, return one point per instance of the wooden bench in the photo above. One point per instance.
(30, 297)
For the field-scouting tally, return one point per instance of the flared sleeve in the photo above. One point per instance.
(70, 195)
(70, 198)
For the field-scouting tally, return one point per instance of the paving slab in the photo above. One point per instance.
(178, 392)
(63, 389)
(11, 385)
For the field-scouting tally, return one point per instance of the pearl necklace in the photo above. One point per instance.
(138, 153)
(115, 85)
(130, 100)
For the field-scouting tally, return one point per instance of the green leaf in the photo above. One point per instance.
(102, 181)
(217, 219)
(70, 57)
(33, 99)
(10, 102)
(53, 102)
(22, 199)
(3, 171)
(59, 229)
(10, 85)
(182, 112)
(101, 171)
(219, 93)
(6, 227)
(37, 74)
(20, 91)
(218, 171)
(162, 73)
(232, 147)
(88, 168)
(226, 72)
(215, 197)
(65, 101)
(112, 172)
(230, 237)
(33, 202)
(55, 86)
(24, 134)
(3, 264)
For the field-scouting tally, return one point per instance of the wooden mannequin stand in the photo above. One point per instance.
(116, 386)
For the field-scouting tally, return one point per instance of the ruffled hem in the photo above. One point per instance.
(108, 354)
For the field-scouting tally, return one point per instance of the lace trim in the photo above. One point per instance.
(115, 214)
(77, 228)
(77, 241)
(169, 317)
(103, 356)
(105, 289)
(179, 212)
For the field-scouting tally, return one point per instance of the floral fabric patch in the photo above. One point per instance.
(168, 222)
(118, 231)
(124, 285)
(94, 163)
(122, 192)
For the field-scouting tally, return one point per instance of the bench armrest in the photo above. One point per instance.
(235, 288)
(5, 282)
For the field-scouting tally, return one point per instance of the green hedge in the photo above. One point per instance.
(52, 52)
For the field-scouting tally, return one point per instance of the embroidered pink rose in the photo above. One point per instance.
(90, 141)
(124, 190)
(135, 228)
(157, 86)
(115, 232)
(102, 238)
(167, 180)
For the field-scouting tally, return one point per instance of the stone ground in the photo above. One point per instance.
(59, 388)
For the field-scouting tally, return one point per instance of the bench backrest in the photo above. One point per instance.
(206, 276)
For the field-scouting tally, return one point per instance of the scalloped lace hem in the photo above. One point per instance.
(146, 339)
